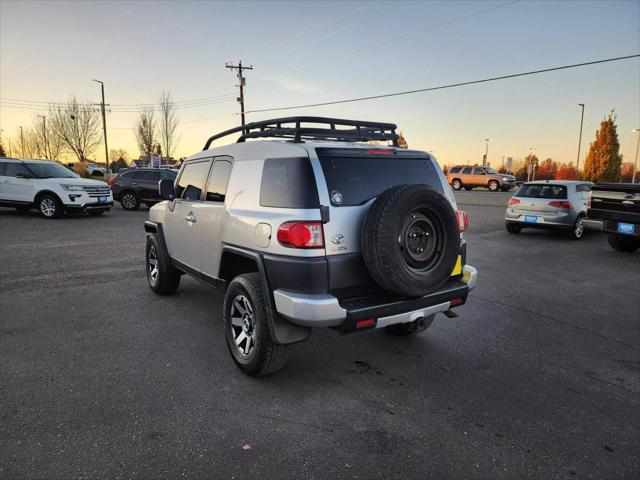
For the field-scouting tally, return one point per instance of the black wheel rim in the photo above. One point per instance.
(422, 239)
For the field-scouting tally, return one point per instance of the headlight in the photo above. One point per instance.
(73, 188)
(506, 178)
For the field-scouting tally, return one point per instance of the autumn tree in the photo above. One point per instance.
(168, 124)
(145, 131)
(77, 125)
(604, 160)
(547, 170)
(567, 172)
(402, 142)
(626, 172)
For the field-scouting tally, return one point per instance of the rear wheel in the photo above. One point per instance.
(163, 277)
(494, 186)
(513, 228)
(129, 201)
(247, 333)
(577, 230)
(623, 244)
(50, 206)
(456, 184)
(411, 328)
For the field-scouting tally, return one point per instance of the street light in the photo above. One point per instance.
(635, 165)
(579, 141)
(486, 152)
(104, 124)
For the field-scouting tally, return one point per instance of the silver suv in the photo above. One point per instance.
(313, 228)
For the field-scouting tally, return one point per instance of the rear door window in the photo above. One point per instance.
(466, 171)
(354, 176)
(146, 176)
(542, 190)
(192, 180)
(14, 169)
(218, 181)
(288, 183)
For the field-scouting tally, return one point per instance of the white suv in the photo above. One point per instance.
(316, 229)
(51, 188)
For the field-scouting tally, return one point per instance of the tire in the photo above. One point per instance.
(410, 240)
(623, 244)
(577, 230)
(411, 328)
(129, 200)
(468, 188)
(246, 326)
(163, 277)
(49, 206)
(96, 214)
(513, 228)
(456, 184)
(493, 186)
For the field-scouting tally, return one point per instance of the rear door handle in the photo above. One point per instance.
(190, 217)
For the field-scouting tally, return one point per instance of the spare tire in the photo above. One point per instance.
(410, 240)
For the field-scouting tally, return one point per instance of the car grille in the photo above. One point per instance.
(97, 191)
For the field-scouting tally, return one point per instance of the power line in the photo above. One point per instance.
(442, 87)
(178, 102)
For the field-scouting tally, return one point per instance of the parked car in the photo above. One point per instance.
(461, 176)
(51, 188)
(322, 231)
(134, 186)
(617, 207)
(549, 204)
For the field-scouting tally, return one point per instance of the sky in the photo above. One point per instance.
(310, 52)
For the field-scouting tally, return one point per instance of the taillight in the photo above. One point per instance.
(301, 235)
(463, 220)
(111, 181)
(561, 204)
(514, 201)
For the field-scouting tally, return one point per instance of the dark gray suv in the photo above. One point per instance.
(139, 185)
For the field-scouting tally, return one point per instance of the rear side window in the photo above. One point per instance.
(146, 176)
(354, 179)
(13, 169)
(288, 183)
(192, 180)
(542, 191)
(454, 169)
(218, 181)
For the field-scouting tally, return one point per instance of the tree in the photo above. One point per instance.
(2, 152)
(28, 146)
(502, 169)
(77, 125)
(521, 172)
(445, 169)
(145, 131)
(547, 170)
(567, 172)
(402, 142)
(118, 158)
(626, 172)
(168, 124)
(49, 144)
(604, 160)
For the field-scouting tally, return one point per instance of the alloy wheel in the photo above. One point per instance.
(128, 201)
(578, 229)
(243, 325)
(48, 207)
(153, 265)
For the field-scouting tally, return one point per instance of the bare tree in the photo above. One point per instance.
(49, 144)
(168, 124)
(77, 125)
(27, 145)
(145, 131)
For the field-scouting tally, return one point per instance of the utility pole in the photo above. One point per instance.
(486, 153)
(44, 135)
(635, 165)
(21, 142)
(104, 125)
(242, 83)
(579, 142)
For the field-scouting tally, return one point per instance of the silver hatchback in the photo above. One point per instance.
(549, 204)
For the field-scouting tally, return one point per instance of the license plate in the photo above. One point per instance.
(531, 219)
(626, 227)
(102, 199)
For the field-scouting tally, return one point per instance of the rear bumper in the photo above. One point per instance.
(558, 221)
(325, 310)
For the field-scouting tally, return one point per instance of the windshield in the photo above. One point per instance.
(542, 191)
(354, 180)
(491, 170)
(50, 170)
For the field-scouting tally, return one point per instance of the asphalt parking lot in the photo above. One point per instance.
(537, 378)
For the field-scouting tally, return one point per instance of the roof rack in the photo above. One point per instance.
(281, 128)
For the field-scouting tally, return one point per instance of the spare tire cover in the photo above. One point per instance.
(410, 240)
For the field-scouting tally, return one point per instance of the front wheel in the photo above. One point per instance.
(494, 186)
(247, 333)
(623, 244)
(50, 206)
(456, 184)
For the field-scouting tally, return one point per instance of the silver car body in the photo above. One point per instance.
(535, 211)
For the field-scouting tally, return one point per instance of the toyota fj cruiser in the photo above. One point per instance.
(316, 228)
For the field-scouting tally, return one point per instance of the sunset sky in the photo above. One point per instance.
(308, 52)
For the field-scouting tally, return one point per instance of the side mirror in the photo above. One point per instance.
(167, 192)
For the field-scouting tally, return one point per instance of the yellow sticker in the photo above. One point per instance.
(457, 270)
